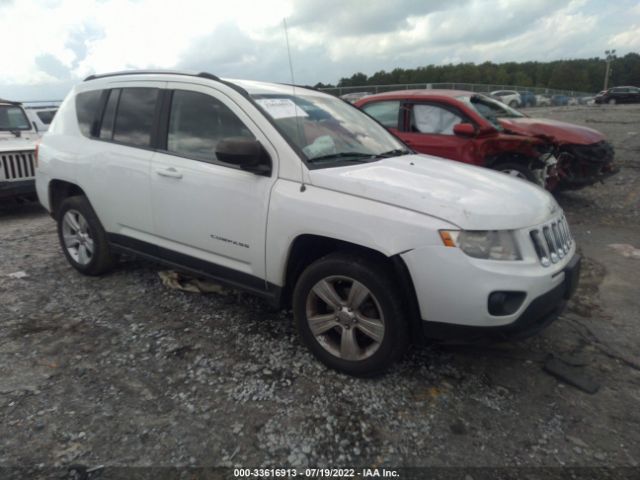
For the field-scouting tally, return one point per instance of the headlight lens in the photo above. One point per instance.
(486, 244)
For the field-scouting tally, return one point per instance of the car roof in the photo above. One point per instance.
(251, 87)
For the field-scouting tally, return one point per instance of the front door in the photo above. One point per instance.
(428, 128)
(211, 214)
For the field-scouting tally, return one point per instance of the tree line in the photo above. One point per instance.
(584, 75)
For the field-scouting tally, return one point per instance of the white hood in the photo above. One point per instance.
(10, 143)
(473, 198)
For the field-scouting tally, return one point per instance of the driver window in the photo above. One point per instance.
(198, 122)
(433, 119)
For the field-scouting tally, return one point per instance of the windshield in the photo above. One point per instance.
(490, 109)
(328, 131)
(13, 118)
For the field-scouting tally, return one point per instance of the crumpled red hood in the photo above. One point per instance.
(562, 132)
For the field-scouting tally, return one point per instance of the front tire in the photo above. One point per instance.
(82, 237)
(349, 314)
(516, 170)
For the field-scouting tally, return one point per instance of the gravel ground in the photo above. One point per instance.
(122, 371)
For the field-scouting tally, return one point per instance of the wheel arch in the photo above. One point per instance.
(59, 190)
(307, 248)
(494, 160)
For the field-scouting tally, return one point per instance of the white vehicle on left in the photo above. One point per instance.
(17, 152)
(508, 97)
(41, 117)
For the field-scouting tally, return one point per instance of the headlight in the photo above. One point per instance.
(486, 244)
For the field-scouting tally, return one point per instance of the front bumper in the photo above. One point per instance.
(583, 165)
(17, 188)
(540, 313)
(455, 289)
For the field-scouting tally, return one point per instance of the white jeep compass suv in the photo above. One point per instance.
(300, 198)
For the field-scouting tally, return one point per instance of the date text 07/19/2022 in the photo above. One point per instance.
(315, 473)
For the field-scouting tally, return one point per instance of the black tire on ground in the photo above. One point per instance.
(513, 104)
(612, 101)
(523, 172)
(378, 279)
(102, 259)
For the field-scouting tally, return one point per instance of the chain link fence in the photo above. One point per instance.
(570, 96)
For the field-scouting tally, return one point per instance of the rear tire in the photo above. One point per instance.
(612, 101)
(82, 237)
(349, 314)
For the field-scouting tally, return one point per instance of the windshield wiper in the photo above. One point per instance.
(395, 153)
(359, 157)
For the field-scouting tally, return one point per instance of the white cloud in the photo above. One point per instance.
(54, 43)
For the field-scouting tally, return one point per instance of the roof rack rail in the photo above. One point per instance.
(206, 75)
(150, 72)
(10, 102)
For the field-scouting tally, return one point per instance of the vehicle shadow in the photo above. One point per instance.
(20, 208)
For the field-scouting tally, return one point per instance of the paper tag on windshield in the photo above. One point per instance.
(281, 108)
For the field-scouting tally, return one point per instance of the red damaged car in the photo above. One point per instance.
(476, 129)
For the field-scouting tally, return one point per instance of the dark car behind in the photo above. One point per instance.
(619, 95)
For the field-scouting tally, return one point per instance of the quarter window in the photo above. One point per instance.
(134, 118)
(433, 119)
(198, 122)
(106, 130)
(87, 106)
(384, 112)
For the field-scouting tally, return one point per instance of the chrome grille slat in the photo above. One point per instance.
(551, 241)
(17, 165)
(557, 239)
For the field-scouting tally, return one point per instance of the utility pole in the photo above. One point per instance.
(610, 56)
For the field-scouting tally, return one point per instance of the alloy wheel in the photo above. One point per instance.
(345, 318)
(77, 237)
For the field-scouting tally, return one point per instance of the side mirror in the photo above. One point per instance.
(464, 130)
(246, 153)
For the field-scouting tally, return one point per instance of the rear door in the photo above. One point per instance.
(428, 128)
(211, 214)
(118, 160)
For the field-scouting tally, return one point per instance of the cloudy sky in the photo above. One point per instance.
(48, 45)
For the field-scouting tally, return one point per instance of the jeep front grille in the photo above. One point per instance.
(552, 241)
(17, 165)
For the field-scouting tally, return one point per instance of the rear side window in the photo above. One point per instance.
(134, 118)
(384, 112)
(198, 122)
(87, 106)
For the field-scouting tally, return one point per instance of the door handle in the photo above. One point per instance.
(169, 172)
